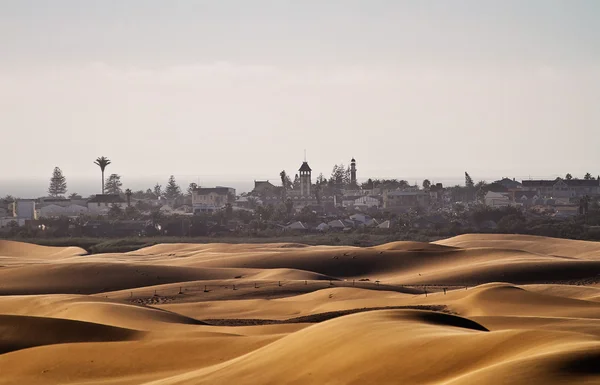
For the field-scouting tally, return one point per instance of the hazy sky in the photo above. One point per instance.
(238, 89)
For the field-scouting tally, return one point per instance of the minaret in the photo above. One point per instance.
(305, 179)
(353, 172)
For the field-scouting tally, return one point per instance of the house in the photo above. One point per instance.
(208, 200)
(25, 209)
(404, 200)
(184, 209)
(362, 218)
(348, 200)
(367, 202)
(566, 211)
(75, 210)
(263, 186)
(296, 226)
(51, 211)
(385, 225)
(494, 199)
(509, 184)
(563, 188)
(336, 225)
(101, 203)
(323, 227)
(526, 198)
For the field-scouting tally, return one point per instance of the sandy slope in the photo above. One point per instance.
(508, 316)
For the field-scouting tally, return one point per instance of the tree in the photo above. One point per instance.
(289, 207)
(283, 175)
(318, 190)
(172, 191)
(102, 162)
(74, 196)
(115, 211)
(228, 211)
(426, 184)
(481, 189)
(157, 191)
(568, 177)
(296, 183)
(347, 178)
(58, 183)
(338, 175)
(321, 179)
(131, 212)
(368, 185)
(113, 184)
(191, 188)
(128, 193)
(588, 176)
(468, 180)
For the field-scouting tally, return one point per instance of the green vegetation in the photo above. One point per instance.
(58, 183)
(122, 245)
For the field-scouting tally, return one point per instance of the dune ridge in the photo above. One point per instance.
(490, 309)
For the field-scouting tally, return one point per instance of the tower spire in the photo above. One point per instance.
(305, 154)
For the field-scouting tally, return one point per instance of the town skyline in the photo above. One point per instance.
(90, 185)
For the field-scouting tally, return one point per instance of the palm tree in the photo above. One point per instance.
(102, 162)
(128, 194)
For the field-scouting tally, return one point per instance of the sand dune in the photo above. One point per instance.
(20, 249)
(21, 332)
(510, 313)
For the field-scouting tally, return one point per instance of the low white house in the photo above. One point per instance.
(51, 211)
(366, 202)
(75, 210)
(494, 199)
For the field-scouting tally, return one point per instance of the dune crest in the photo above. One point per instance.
(489, 309)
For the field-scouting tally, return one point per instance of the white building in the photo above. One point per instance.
(366, 202)
(25, 209)
(51, 211)
(208, 200)
(494, 199)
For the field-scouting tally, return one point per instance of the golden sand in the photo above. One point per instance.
(474, 309)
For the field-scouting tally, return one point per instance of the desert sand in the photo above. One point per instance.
(474, 309)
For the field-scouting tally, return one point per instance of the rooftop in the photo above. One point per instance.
(568, 182)
(107, 198)
(208, 190)
(305, 167)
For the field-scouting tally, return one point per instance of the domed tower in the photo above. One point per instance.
(305, 179)
(353, 172)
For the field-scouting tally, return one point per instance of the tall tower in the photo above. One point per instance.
(305, 179)
(353, 172)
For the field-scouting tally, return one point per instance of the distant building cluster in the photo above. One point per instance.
(338, 203)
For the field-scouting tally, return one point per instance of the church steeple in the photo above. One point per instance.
(305, 179)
